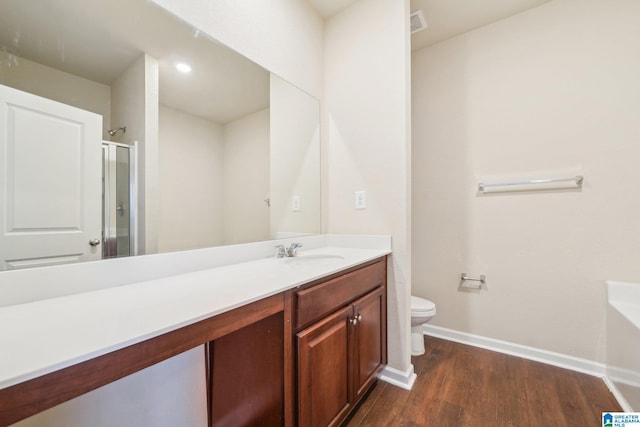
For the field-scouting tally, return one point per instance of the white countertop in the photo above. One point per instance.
(44, 336)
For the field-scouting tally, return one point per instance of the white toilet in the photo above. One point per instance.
(422, 310)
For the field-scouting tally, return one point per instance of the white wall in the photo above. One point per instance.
(246, 179)
(551, 90)
(367, 116)
(134, 104)
(294, 159)
(29, 76)
(190, 181)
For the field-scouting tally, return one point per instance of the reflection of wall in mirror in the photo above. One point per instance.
(134, 104)
(190, 176)
(128, 101)
(246, 178)
(213, 180)
(295, 169)
(29, 76)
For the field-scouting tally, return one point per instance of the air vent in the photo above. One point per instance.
(417, 22)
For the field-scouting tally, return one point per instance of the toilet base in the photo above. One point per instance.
(417, 341)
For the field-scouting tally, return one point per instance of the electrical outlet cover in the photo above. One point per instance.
(361, 199)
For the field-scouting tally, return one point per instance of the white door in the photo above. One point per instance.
(50, 182)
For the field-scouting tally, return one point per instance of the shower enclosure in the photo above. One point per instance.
(118, 199)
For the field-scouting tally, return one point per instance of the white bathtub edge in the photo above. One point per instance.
(617, 394)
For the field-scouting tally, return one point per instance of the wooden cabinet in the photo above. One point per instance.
(324, 354)
(341, 348)
(299, 358)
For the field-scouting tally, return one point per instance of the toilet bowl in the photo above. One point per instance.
(422, 310)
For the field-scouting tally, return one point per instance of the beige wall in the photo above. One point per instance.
(246, 179)
(190, 182)
(29, 76)
(552, 90)
(368, 141)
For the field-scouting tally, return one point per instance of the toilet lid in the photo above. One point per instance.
(421, 305)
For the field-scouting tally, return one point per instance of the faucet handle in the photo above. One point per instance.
(293, 249)
(281, 251)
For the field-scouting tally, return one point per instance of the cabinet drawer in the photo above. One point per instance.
(318, 300)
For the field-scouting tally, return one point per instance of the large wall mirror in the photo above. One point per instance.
(125, 131)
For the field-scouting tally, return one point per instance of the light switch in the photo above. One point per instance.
(361, 199)
(295, 203)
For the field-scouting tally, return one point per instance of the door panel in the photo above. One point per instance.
(368, 352)
(50, 190)
(323, 366)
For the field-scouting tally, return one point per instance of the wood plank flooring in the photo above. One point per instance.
(460, 385)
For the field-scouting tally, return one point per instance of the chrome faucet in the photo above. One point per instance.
(291, 251)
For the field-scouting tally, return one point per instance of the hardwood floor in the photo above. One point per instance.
(460, 385)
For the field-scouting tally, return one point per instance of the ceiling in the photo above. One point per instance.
(96, 40)
(445, 18)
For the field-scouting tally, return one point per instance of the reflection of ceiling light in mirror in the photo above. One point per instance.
(183, 68)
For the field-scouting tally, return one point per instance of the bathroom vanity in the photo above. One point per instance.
(287, 341)
(340, 342)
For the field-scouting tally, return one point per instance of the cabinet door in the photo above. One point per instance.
(323, 370)
(369, 346)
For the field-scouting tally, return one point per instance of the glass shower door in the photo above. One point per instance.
(118, 198)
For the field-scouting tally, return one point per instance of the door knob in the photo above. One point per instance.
(94, 242)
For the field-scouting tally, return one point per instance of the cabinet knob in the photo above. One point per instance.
(357, 318)
(94, 242)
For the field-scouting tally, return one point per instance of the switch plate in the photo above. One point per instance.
(295, 203)
(361, 199)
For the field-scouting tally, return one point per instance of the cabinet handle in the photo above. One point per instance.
(359, 317)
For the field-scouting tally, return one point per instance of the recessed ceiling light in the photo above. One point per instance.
(183, 68)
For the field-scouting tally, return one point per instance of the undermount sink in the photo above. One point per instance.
(313, 258)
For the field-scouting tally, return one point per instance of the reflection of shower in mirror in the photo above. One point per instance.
(118, 199)
(113, 132)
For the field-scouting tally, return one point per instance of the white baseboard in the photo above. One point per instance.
(531, 353)
(398, 378)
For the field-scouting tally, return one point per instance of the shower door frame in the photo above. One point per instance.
(109, 209)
